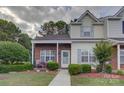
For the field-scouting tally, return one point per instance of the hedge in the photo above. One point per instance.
(74, 69)
(9, 68)
(52, 65)
(85, 68)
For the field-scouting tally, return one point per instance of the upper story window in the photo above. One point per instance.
(123, 27)
(86, 31)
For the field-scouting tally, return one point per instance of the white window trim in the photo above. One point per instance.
(121, 55)
(89, 51)
(82, 31)
(45, 55)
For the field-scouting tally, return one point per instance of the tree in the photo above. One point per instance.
(13, 52)
(9, 28)
(103, 53)
(59, 27)
(25, 41)
(10, 32)
(60, 24)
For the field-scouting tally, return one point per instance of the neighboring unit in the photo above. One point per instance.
(77, 47)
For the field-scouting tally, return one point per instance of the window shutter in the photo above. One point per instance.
(79, 56)
(123, 27)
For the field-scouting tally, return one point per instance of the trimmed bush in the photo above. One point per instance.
(74, 69)
(120, 72)
(108, 68)
(9, 68)
(85, 68)
(13, 52)
(52, 65)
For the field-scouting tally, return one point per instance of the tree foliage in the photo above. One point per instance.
(103, 52)
(25, 41)
(51, 27)
(10, 32)
(11, 52)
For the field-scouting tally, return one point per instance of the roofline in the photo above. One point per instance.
(87, 12)
(119, 11)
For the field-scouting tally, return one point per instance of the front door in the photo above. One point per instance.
(65, 58)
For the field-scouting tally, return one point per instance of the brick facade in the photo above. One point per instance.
(39, 47)
(114, 58)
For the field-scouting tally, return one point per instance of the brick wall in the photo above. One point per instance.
(39, 47)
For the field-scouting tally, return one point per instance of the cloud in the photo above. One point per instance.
(29, 18)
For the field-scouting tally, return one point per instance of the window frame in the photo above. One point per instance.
(121, 56)
(122, 27)
(89, 55)
(47, 54)
(83, 31)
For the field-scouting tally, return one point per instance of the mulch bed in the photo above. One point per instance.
(102, 75)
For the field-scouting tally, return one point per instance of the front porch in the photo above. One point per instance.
(117, 60)
(59, 52)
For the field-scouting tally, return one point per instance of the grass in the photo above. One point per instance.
(78, 81)
(26, 79)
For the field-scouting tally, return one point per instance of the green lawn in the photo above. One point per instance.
(78, 81)
(26, 79)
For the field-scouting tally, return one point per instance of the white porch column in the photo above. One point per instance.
(118, 56)
(32, 53)
(57, 53)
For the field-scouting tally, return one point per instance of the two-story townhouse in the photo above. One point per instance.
(77, 47)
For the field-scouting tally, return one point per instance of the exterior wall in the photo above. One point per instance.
(115, 29)
(114, 58)
(98, 31)
(39, 47)
(75, 46)
(75, 30)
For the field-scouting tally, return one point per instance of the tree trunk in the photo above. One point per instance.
(102, 67)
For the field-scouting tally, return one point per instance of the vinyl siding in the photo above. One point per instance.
(76, 46)
(75, 30)
(115, 29)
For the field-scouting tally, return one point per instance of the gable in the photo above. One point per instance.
(87, 13)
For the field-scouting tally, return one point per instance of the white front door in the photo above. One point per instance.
(65, 58)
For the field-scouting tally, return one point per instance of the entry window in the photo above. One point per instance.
(87, 56)
(47, 55)
(122, 56)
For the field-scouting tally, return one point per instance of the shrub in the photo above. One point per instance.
(108, 68)
(52, 65)
(74, 69)
(120, 72)
(9, 68)
(13, 52)
(85, 68)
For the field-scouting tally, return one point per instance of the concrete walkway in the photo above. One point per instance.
(61, 79)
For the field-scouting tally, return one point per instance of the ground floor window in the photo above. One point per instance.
(121, 56)
(86, 56)
(47, 55)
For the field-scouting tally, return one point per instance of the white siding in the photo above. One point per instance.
(76, 46)
(115, 29)
(98, 31)
(75, 30)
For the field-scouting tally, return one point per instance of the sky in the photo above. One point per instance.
(29, 18)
